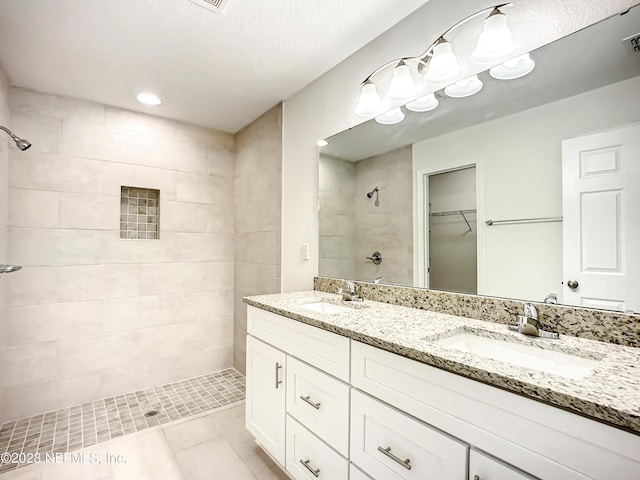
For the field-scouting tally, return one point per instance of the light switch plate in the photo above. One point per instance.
(305, 251)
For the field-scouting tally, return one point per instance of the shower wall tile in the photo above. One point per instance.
(184, 277)
(76, 283)
(183, 217)
(204, 247)
(36, 247)
(32, 286)
(55, 321)
(198, 188)
(175, 295)
(90, 212)
(29, 363)
(55, 173)
(118, 174)
(42, 131)
(33, 208)
(258, 207)
(26, 101)
(139, 122)
(117, 251)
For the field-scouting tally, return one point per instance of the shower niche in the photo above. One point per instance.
(139, 213)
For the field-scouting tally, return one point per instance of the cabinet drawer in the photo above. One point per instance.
(309, 458)
(546, 442)
(320, 403)
(484, 467)
(388, 444)
(324, 350)
(356, 474)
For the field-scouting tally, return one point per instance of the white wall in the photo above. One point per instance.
(91, 315)
(325, 107)
(4, 217)
(521, 157)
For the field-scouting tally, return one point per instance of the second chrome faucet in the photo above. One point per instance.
(528, 324)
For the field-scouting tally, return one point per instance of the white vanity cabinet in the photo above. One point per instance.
(484, 467)
(265, 405)
(325, 406)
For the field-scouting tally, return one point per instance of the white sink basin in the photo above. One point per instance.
(556, 363)
(323, 307)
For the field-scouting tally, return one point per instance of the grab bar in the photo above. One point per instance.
(524, 220)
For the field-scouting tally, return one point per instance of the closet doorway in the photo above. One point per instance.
(452, 250)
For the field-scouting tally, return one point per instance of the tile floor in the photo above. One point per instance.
(213, 445)
(70, 429)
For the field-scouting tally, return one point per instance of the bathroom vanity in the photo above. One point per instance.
(341, 390)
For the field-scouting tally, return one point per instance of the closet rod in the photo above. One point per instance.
(452, 212)
(524, 220)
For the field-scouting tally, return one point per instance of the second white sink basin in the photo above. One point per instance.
(556, 363)
(324, 307)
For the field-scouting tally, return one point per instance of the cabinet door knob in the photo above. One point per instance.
(572, 284)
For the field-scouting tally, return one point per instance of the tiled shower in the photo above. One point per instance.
(138, 237)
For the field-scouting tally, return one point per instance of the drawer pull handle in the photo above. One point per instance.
(387, 451)
(314, 471)
(278, 381)
(308, 400)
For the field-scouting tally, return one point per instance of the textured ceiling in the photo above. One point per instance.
(220, 70)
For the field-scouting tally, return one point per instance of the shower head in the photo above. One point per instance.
(370, 194)
(21, 143)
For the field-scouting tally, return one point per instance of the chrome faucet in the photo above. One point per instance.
(377, 281)
(528, 324)
(350, 294)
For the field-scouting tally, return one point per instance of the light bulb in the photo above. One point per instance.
(423, 104)
(495, 43)
(464, 88)
(443, 65)
(369, 103)
(403, 86)
(148, 98)
(513, 68)
(392, 116)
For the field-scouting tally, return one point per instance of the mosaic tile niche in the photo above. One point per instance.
(139, 213)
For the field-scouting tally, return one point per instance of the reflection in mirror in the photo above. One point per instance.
(554, 202)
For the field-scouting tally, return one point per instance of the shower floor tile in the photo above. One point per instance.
(80, 426)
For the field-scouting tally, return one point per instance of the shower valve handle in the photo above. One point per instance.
(376, 258)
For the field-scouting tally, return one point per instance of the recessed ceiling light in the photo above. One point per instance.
(322, 143)
(149, 98)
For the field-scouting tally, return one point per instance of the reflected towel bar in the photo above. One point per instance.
(524, 220)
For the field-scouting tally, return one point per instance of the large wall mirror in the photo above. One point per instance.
(529, 189)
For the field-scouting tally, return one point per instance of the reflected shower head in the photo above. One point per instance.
(370, 194)
(21, 143)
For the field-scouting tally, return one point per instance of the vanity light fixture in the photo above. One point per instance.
(391, 117)
(403, 86)
(370, 103)
(423, 104)
(438, 63)
(148, 98)
(322, 143)
(465, 87)
(513, 68)
(495, 43)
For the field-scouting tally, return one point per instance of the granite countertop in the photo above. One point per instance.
(610, 393)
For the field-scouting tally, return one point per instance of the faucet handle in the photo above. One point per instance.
(530, 311)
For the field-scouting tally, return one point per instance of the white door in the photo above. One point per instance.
(601, 225)
(483, 467)
(265, 404)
